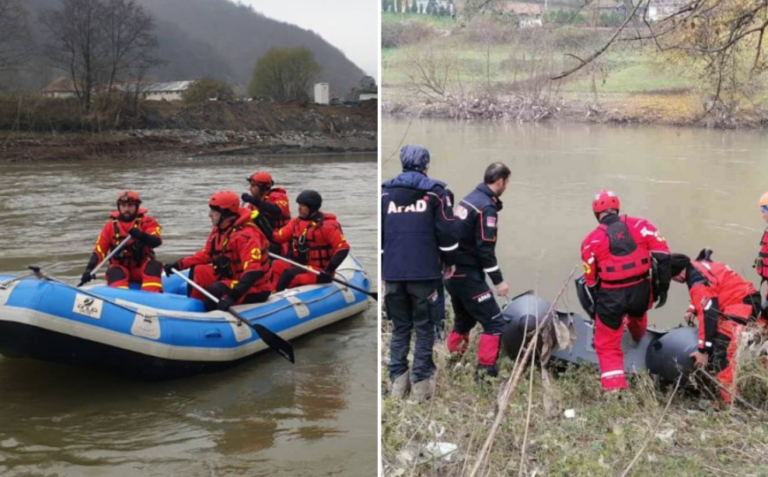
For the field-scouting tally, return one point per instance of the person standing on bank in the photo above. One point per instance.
(476, 228)
(417, 241)
(617, 259)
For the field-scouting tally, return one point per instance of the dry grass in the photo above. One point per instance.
(691, 438)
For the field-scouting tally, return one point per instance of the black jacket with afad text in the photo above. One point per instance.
(416, 228)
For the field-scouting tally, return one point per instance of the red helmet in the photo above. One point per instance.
(261, 178)
(604, 200)
(225, 200)
(128, 197)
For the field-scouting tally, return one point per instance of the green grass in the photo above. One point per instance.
(438, 22)
(692, 439)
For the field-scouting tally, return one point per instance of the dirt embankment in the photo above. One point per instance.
(673, 108)
(211, 128)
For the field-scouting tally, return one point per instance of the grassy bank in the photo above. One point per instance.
(608, 432)
(486, 59)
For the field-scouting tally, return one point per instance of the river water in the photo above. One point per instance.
(265, 417)
(699, 187)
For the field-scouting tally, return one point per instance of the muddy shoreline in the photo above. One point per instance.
(639, 110)
(22, 147)
(213, 128)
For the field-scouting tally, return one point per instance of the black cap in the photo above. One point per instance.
(679, 262)
(311, 199)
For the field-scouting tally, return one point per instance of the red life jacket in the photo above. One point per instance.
(726, 285)
(279, 197)
(225, 259)
(762, 258)
(128, 253)
(309, 245)
(629, 258)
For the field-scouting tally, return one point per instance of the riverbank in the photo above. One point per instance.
(656, 431)
(211, 128)
(676, 108)
(486, 69)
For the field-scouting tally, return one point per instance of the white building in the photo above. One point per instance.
(171, 91)
(321, 93)
(63, 87)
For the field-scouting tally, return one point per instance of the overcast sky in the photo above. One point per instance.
(352, 26)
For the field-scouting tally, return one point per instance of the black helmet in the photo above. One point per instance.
(311, 199)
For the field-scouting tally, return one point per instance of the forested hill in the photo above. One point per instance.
(224, 39)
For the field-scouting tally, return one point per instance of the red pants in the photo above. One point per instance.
(149, 274)
(204, 276)
(298, 277)
(609, 352)
(616, 307)
(724, 353)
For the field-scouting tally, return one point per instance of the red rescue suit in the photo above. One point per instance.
(134, 263)
(617, 259)
(318, 243)
(724, 304)
(280, 214)
(234, 259)
(275, 209)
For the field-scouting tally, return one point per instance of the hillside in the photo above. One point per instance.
(211, 37)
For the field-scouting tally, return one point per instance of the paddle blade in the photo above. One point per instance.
(273, 340)
(283, 348)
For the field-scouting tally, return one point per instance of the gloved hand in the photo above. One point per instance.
(324, 277)
(137, 234)
(662, 299)
(86, 277)
(246, 197)
(225, 303)
(169, 266)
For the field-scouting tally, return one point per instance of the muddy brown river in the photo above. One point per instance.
(699, 187)
(265, 417)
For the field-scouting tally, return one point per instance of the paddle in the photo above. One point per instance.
(374, 295)
(284, 348)
(107, 258)
(42, 276)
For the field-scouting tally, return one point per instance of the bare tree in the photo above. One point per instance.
(433, 68)
(722, 39)
(15, 37)
(130, 44)
(99, 42)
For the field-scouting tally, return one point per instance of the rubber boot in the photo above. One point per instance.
(401, 385)
(424, 389)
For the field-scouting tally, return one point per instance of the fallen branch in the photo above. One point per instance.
(732, 394)
(511, 383)
(530, 405)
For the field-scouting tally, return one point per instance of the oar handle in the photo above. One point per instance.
(373, 295)
(196, 286)
(111, 254)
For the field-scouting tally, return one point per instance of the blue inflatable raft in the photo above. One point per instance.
(159, 336)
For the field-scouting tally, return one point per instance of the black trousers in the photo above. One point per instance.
(613, 303)
(412, 308)
(473, 302)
